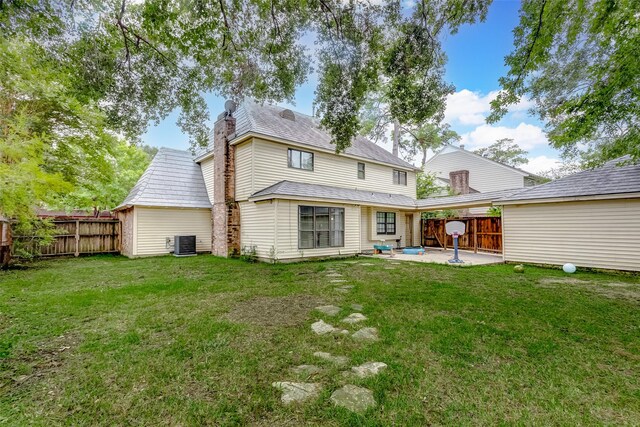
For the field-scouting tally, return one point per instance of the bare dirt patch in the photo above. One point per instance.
(614, 290)
(289, 310)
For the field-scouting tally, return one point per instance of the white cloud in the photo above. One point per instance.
(540, 164)
(527, 136)
(471, 108)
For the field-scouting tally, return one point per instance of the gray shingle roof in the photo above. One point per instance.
(172, 179)
(299, 189)
(465, 199)
(266, 120)
(610, 179)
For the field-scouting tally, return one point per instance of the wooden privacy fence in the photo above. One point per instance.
(79, 237)
(482, 233)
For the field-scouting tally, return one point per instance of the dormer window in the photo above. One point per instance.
(300, 159)
(399, 177)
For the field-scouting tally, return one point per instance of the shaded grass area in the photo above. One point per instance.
(198, 341)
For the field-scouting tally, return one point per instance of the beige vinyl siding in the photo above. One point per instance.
(244, 170)
(257, 227)
(154, 225)
(598, 234)
(206, 166)
(484, 176)
(270, 166)
(287, 231)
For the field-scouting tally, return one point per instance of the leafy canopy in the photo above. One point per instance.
(505, 151)
(138, 61)
(578, 60)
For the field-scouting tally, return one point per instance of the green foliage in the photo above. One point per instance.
(427, 136)
(50, 141)
(249, 254)
(505, 151)
(495, 211)
(128, 162)
(138, 61)
(578, 60)
(427, 186)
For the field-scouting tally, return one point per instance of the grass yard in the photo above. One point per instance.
(199, 341)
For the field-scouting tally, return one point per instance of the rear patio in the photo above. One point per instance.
(442, 256)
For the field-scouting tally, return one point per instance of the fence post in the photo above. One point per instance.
(77, 253)
(475, 235)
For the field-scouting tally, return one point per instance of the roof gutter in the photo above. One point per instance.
(618, 196)
(330, 200)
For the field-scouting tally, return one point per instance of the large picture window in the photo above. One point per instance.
(300, 159)
(399, 177)
(386, 222)
(320, 227)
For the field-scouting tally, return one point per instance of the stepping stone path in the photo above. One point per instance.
(329, 310)
(338, 281)
(367, 263)
(337, 360)
(344, 289)
(322, 328)
(334, 274)
(297, 392)
(366, 334)
(351, 262)
(354, 398)
(368, 369)
(354, 318)
(306, 369)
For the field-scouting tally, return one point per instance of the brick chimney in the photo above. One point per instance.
(225, 215)
(459, 181)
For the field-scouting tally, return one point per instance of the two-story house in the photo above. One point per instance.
(271, 180)
(480, 174)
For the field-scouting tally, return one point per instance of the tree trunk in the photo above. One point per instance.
(396, 137)
(424, 157)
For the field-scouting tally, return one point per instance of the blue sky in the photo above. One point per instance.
(475, 63)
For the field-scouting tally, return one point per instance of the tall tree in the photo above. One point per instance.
(50, 141)
(140, 60)
(578, 60)
(505, 151)
(418, 140)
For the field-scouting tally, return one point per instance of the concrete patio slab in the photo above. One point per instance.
(441, 256)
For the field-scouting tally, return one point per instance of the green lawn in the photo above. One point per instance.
(198, 341)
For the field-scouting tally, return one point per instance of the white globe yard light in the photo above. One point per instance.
(569, 268)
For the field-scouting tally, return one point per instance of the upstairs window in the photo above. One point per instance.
(320, 227)
(300, 159)
(385, 222)
(399, 177)
(360, 170)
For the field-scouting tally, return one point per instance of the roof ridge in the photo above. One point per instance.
(485, 158)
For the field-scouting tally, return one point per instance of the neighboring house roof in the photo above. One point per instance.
(172, 179)
(326, 192)
(464, 200)
(452, 148)
(266, 120)
(447, 182)
(614, 178)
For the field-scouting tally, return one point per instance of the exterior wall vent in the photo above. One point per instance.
(184, 245)
(288, 114)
